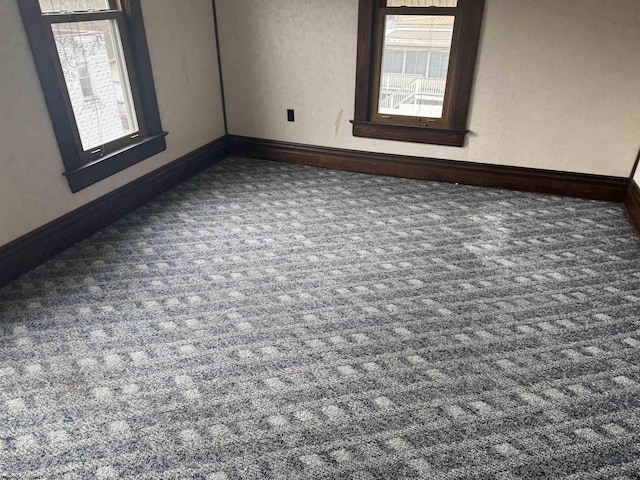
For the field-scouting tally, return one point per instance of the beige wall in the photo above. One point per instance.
(637, 176)
(557, 81)
(183, 55)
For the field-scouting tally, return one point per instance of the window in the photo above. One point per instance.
(438, 65)
(85, 80)
(416, 60)
(93, 62)
(416, 63)
(393, 61)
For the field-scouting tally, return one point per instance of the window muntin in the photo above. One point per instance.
(91, 59)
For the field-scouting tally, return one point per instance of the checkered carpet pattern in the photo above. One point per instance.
(277, 321)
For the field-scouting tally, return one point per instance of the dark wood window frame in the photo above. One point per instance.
(451, 129)
(81, 170)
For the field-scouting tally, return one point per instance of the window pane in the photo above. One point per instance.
(418, 90)
(49, 6)
(97, 81)
(83, 70)
(85, 80)
(422, 3)
(386, 63)
(392, 61)
(398, 58)
(422, 62)
(416, 63)
(410, 66)
(438, 65)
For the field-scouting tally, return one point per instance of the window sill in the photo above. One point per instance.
(115, 162)
(409, 133)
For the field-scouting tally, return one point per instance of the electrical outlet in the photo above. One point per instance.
(291, 116)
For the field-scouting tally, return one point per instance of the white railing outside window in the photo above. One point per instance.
(407, 87)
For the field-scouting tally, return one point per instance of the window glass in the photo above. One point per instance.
(415, 90)
(416, 63)
(392, 61)
(438, 65)
(85, 80)
(422, 3)
(51, 6)
(96, 78)
(422, 62)
(410, 66)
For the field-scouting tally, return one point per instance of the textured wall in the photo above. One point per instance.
(557, 82)
(183, 56)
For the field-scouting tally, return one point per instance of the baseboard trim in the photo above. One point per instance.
(632, 204)
(596, 187)
(32, 249)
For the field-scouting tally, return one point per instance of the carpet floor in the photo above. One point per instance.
(276, 321)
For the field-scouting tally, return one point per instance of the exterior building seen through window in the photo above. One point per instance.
(415, 61)
(91, 59)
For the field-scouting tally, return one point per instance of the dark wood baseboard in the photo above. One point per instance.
(596, 187)
(32, 249)
(632, 204)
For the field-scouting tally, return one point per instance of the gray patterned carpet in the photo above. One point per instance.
(274, 321)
